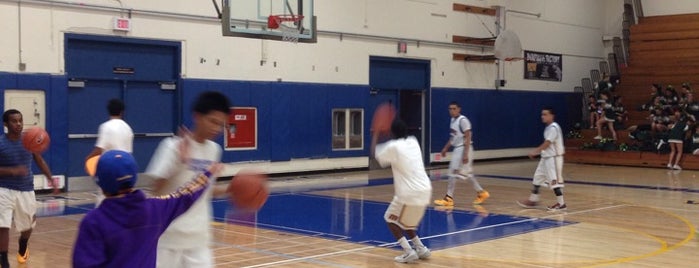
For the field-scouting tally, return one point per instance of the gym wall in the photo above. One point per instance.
(296, 85)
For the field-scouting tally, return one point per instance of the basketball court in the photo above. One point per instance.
(617, 217)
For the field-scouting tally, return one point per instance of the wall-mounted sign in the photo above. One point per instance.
(543, 66)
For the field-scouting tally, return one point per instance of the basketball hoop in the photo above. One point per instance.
(290, 33)
(508, 47)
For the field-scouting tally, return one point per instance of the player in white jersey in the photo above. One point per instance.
(461, 164)
(550, 169)
(186, 242)
(114, 134)
(413, 189)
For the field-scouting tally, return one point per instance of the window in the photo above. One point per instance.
(348, 129)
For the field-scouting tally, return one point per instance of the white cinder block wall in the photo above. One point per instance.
(573, 28)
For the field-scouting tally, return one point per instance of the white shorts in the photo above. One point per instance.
(407, 217)
(549, 171)
(456, 163)
(199, 257)
(18, 209)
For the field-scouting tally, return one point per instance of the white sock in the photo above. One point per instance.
(534, 197)
(403, 242)
(560, 200)
(417, 242)
(476, 185)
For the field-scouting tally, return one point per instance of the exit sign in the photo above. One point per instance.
(122, 24)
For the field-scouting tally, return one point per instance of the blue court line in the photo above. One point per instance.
(605, 184)
(361, 221)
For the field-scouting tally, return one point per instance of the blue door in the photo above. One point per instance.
(408, 80)
(142, 73)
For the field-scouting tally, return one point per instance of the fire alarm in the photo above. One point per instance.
(122, 24)
(402, 47)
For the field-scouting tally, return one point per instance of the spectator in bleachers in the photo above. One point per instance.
(686, 88)
(592, 110)
(656, 92)
(692, 107)
(671, 97)
(659, 120)
(619, 111)
(607, 117)
(695, 140)
(685, 91)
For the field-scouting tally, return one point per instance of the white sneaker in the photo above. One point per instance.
(677, 167)
(423, 252)
(407, 257)
(597, 137)
(669, 166)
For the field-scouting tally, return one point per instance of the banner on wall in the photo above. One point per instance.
(543, 66)
(242, 129)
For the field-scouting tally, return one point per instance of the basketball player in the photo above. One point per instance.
(413, 189)
(114, 134)
(461, 164)
(17, 201)
(124, 230)
(550, 169)
(186, 242)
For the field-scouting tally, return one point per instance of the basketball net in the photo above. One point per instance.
(508, 47)
(287, 25)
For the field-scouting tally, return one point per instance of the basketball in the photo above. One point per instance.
(383, 117)
(91, 165)
(248, 190)
(36, 140)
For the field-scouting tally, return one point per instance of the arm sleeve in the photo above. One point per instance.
(164, 161)
(550, 134)
(103, 137)
(89, 248)
(465, 124)
(175, 204)
(384, 154)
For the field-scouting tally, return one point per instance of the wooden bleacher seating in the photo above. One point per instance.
(664, 50)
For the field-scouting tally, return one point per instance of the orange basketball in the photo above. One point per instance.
(383, 117)
(248, 190)
(36, 140)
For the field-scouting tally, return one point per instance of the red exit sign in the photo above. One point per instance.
(122, 24)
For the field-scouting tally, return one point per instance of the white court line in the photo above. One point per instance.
(311, 257)
(511, 223)
(428, 237)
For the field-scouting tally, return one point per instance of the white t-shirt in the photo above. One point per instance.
(115, 134)
(191, 229)
(458, 126)
(554, 134)
(412, 185)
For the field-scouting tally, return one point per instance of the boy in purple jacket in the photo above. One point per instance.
(124, 230)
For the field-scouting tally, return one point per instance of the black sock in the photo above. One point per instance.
(558, 192)
(536, 189)
(22, 246)
(3, 260)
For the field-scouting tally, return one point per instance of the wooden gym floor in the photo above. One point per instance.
(617, 217)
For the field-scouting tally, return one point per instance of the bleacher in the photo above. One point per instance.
(664, 50)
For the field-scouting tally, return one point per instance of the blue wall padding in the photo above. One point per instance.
(501, 119)
(295, 118)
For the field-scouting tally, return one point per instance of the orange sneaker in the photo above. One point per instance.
(446, 202)
(23, 259)
(481, 197)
